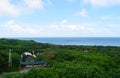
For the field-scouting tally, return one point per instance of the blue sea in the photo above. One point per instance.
(86, 41)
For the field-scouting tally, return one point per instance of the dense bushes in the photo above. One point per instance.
(13, 75)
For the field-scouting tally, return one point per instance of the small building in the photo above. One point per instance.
(29, 60)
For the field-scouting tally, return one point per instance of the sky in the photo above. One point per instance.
(59, 18)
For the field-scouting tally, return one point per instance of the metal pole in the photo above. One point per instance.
(10, 59)
(20, 62)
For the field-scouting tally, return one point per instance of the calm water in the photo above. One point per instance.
(103, 41)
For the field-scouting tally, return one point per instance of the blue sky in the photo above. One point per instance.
(59, 18)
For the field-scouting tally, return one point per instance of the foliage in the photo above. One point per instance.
(64, 61)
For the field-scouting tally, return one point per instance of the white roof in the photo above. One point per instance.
(28, 53)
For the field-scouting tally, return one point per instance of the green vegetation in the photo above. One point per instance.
(63, 61)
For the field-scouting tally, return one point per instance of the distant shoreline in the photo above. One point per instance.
(79, 41)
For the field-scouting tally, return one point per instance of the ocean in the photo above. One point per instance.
(85, 41)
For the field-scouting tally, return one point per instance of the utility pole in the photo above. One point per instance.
(20, 62)
(10, 59)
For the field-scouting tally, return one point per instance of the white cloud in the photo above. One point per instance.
(63, 25)
(82, 30)
(59, 29)
(72, 27)
(67, 26)
(34, 4)
(7, 8)
(13, 29)
(102, 3)
(82, 13)
(64, 21)
(78, 30)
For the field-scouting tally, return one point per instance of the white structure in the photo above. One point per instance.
(29, 54)
(10, 59)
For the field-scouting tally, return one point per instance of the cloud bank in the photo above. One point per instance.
(11, 28)
(9, 8)
(102, 3)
